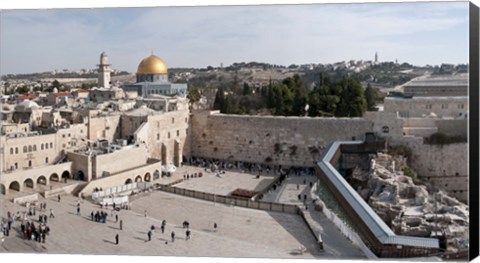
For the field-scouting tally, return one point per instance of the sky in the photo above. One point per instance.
(419, 33)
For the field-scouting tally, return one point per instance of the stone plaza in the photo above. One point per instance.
(241, 232)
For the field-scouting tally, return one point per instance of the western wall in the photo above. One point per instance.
(290, 141)
(298, 141)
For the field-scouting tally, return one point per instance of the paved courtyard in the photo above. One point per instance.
(241, 232)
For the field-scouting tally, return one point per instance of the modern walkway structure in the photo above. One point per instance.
(376, 235)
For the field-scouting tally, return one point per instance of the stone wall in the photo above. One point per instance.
(119, 160)
(386, 124)
(457, 127)
(424, 127)
(446, 166)
(421, 127)
(268, 139)
(130, 124)
(167, 136)
(104, 127)
(81, 162)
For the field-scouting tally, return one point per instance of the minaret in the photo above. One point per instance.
(376, 58)
(104, 71)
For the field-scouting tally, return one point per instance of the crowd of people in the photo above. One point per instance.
(219, 165)
(39, 230)
(99, 216)
(29, 229)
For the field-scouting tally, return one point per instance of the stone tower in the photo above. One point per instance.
(104, 71)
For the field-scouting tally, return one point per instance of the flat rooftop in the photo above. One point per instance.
(450, 80)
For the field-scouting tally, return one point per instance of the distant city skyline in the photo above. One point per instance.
(417, 33)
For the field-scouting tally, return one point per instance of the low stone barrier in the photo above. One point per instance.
(61, 190)
(229, 200)
(26, 199)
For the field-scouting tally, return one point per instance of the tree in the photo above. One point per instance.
(88, 86)
(352, 101)
(56, 84)
(22, 90)
(300, 100)
(314, 104)
(230, 105)
(247, 89)
(283, 100)
(371, 96)
(193, 94)
(270, 96)
(219, 99)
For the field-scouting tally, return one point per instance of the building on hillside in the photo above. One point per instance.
(152, 78)
(80, 93)
(60, 99)
(100, 95)
(41, 145)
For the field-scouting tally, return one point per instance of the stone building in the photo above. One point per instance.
(48, 143)
(152, 78)
(439, 106)
(451, 85)
(45, 144)
(106, 94)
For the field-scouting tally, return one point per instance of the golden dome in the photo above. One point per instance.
(152, 65)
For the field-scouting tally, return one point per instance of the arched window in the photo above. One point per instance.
(35, 148)
(46, 145)
(25, 149)
(29, 148)
(46, 159)
(51, 145)
(30, 163)
(16, 150)
(11, 150)
(41, 146)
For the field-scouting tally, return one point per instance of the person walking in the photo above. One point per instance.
(173, 236)
(163, 226)
(58, 197)
(187, 234)
(116, 218)
(121, 224)
(116, 239)
(51, 213)
(78, 211)
(149, 234)
(215, 226)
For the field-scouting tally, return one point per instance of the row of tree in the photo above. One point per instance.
(344, 98)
